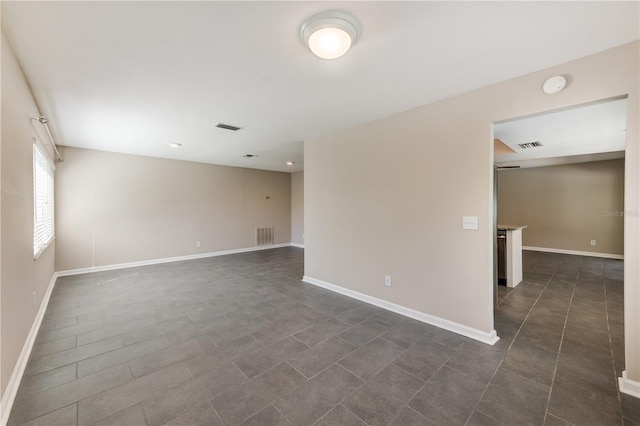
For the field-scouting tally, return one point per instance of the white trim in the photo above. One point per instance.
(297, 245)
(166, 260)
(18, 371)
(576, 252)
(628, 386)
(489, 338)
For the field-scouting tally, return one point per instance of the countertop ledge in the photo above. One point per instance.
(511, 227)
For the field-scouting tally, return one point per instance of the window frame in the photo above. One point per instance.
(43, 201)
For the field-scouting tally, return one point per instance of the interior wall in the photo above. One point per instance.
(20, 275)
(392, 201)
(566, 206)
(118, 208)
(297, 208)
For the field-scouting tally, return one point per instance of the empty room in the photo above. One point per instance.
(320, 213)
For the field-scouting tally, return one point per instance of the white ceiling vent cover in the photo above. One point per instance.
(530, 145)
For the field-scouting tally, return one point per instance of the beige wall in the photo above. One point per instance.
(116, 208)
(565, 207)
(393, 198)
(297, 208)
(20, 275)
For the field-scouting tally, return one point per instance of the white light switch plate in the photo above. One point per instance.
(470, 222)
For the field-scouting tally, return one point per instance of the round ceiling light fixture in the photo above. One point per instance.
(175, 145)
(555, 84)
(329, 35)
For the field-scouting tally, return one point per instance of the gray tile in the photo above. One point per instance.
(406, 333)
(119, 356)
(314, 360)
(513, 399)
(66, 416)
(121, 397)
(531, 361)
(70, 356)
(365, 332)
(476, 360)
(570, 402)
(357, 315)
(314, 398)
(52, 399)
(630, 408)
(132, 416)
(155, 330)
(205, 362)
(450, 397)
(371, 358)
(340, 416)
(114, 330)
(175, 353)
(52, 347)
(245, 400)
(552, 420)
(268, 416)
(424, 358)
(410, 417)
(480, 419)
(180, 399)
(321, 331)
(274, 332)
(47, 380)
(378, 401)
(265, 358)
(199, 414)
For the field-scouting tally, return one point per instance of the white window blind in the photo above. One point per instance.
(43, 221)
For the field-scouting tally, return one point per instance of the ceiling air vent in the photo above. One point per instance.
(227, 127)
(530, 145)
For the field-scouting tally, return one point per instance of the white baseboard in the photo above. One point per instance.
(489, 338)
(297, 245)
(578, 253)
(628, 386)
(9, 395)
(167, 260)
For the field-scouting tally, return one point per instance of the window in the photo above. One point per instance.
(43, 225)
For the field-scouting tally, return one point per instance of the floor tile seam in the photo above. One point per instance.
(558, 417)
(280, 412)
(486, 386)
(524, 320)
(555, 368)
(483, 413)
(77, 361)
(613, 362)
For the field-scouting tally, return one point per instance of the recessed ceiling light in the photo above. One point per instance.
(555, 84)
(290, 163)
(175, 145)
(331, 34)
(250, 156)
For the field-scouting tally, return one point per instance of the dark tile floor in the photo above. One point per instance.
(240, 340)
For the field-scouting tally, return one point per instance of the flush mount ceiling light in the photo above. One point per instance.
(331, 34)
(290, 163)
(175, 145)
(555, 84)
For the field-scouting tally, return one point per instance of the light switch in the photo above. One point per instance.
(470, 222)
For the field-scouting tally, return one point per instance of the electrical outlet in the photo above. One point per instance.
(198, 243)
(593, 242)
(387, 280)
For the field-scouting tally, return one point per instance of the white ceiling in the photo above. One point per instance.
(591, 132)
(133, 77)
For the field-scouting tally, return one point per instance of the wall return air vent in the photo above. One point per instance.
(530, 145)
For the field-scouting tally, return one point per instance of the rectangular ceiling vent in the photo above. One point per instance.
(227, 127)
(530, 145)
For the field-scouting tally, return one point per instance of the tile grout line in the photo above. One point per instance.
(555, 369)
(613, 362)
